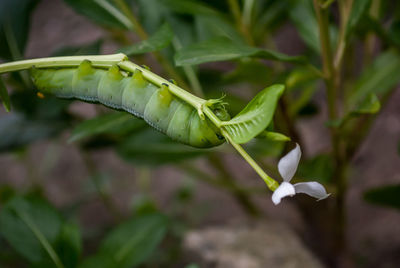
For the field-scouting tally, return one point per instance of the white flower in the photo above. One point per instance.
(287, 167)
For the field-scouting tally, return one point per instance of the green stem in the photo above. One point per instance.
(42, 239)
(247, 12)
(102, 61)
(235, 10)
(271, 183)
(15, 53)
(115, 13)
(345, 9)
(322, 18)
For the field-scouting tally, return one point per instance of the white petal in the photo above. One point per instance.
(285, 189)
(311, 188)
(287, 166)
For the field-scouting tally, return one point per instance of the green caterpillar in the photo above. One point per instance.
(133, 93)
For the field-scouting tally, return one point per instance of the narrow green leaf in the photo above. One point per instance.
(102, 12)
(273, 136)
(256, 116)
(5, 99)
(130, 243)
(31, 226)
(357, 10)
(303, 17)
(222, 49)
(209, 27)
(379, 78)
(159, 40)
(384, 196)
(302, 14)
(15, 14)
(107, 123)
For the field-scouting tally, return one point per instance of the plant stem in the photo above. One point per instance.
(102, 61)
(271, 183)
(345, 8)
(248, 12)
(322, 18)
(235, 10)
(42, 239)
(115, 13)
(332, 81)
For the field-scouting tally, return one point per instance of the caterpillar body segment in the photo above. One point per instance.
(133, 93)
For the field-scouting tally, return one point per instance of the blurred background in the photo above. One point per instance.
(199, 208)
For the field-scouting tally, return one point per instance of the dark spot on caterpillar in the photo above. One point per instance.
(165, 84)
(172, 81)
(220, 137)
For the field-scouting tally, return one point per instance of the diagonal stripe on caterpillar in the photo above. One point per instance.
(133, 93)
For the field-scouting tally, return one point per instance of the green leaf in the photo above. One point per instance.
(222, 49)
(273, 136)
(152, 147)
(31, 226)
(5, 99)
(379, 78)
(384, 196)
(107, 123)
(253, 71)
(358, 8)
(159, 40)
(209, 27)
(255, 117)
(130, 244)
(303, 17)
(102, 12)
(69, 245)
(14, 26)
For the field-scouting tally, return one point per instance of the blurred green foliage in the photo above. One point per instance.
(211, 49)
